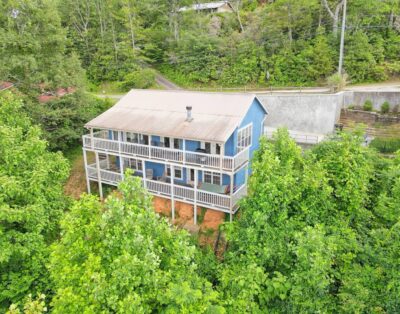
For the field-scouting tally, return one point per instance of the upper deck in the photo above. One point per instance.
(101, 142)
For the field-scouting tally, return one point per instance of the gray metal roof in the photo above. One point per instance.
(163, 113)
(205, 6)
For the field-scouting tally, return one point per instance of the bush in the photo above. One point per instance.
(385, 107)
(144, 78)
(337, 82)
(386, 145)
(396, 109)
(368, 105)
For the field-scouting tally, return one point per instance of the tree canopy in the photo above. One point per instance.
(31, 203)
(311, 237)
(122, 257)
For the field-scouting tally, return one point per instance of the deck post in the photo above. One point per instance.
(91, 138)
(108, 161)
(222, 154)
(230, 199)
(98, 175)
(196, 178)
(172, 192)
(184, 151)
(86, 171)
(121, 166)
(144, 173)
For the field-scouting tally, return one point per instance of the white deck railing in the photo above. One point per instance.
(226, 163)
(186, 194)
(298, 137)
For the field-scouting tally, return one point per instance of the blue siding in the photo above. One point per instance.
(230, 145)
(155, 140)
(255, 115)
(191, 145)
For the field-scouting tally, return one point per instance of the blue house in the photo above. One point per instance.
(191, 147)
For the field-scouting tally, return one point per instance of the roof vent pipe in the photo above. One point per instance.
(189, 113)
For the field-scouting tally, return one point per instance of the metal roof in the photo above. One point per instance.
(163, 113)
(205, 6)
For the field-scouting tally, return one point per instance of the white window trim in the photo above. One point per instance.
(213, 147)
(239, 148)
(175, 168)
(212, 176)
(137, 162)
(263, 125)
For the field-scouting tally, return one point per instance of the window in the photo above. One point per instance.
(207, 147)
(211, 148)
(244, 137)
(135, 164)
(137, 138)
(218, 149)
(212, 177)
(191, 174)
(177, 143)
(115, 135)
(178, 173)
(167, 142)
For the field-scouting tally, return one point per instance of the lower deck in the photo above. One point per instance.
(214, 190)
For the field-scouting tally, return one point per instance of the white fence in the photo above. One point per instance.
(167, 154)
(298, 137)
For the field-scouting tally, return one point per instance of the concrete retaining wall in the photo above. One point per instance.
(310, 113)
(358, 98)
(318, 113)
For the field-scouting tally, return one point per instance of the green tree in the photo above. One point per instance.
(62, 119)
(122, 257)
(33, 46)
(31, 203)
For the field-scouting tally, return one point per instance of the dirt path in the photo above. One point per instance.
(76, 183)
(167, 84)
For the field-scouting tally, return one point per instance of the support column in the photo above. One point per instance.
(98, 175)
(196, 178)
(144, 173)
(91, 138)
(121, 166)
(184, 151)
(222, 154)
(86, 171)
(108, 161)
(172, 192)
(230, 199)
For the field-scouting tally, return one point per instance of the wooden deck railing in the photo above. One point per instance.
(203, 198)
(215, 162)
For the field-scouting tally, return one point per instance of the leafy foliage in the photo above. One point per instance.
(121, 257)
(309, 237)
(62, 119)
(31, 203)
(33, 47)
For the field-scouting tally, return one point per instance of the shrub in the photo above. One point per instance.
(368, 105)
(337, 82)
(386, 145)
(396, 109)
(144, 78)
(385, 107)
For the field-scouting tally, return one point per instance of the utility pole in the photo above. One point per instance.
(342, 37)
